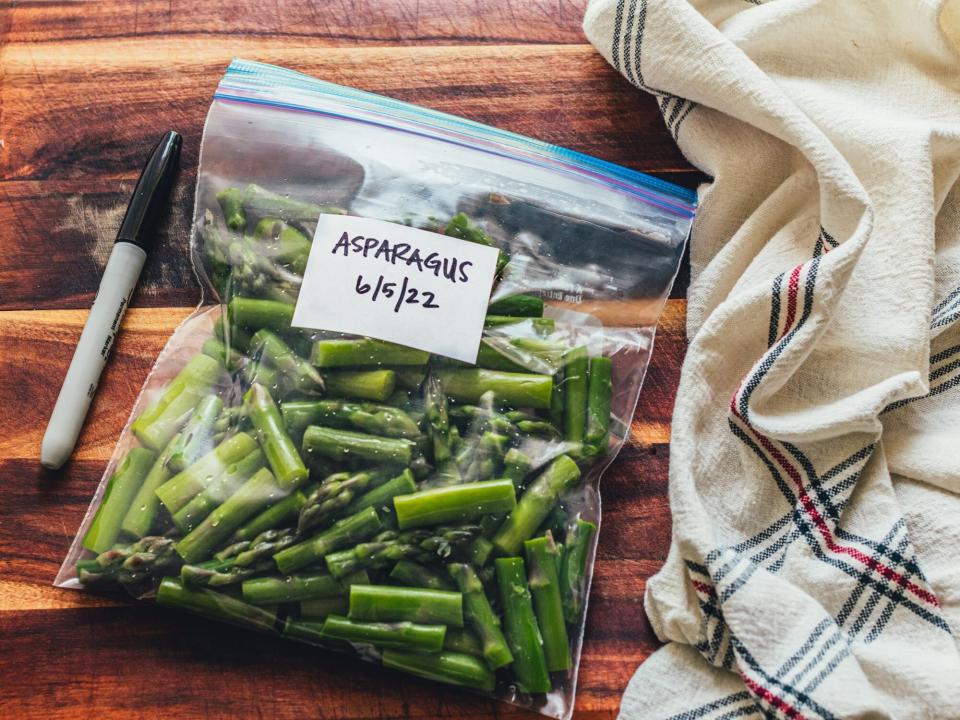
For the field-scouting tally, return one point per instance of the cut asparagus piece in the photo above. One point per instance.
(283, 513)
(514, 389)
(346, 445)
(523, 633)
(216, 605)
(284, 244)
(573, 568)
(301, 375)
(182, 487)
(137, 567)
(231, 203)
(375, 419)
(334, 494)
(219, 489)
(157, 425)
(375, 385)
(455, 503)
(260, 202)
(575, 386)
(388, 547)
(278, 448)
(447, 667)
(381, 498)
(142, 513)
(516, 466)
(517, 306)
(535, 504)
(401, 635)
(256, 493)
(365, 351)
(384, 603)
(255, 313)
(319, 608)
(121, 490)
(411, 574)
(271, 590)
(542, 559)
(462, 641)
(349, 530)
(599, 396)
(230, 358)
(480, 616)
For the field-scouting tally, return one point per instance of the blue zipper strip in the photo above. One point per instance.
(264, 79)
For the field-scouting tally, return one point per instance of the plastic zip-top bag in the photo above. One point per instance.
(387, 435)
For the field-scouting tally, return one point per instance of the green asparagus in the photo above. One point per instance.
(182, 487)
(121, 490)
(515, 389)
(349, 530)
(480, 616)
(575, 386)
(365, 351)
(599, 395)
(542, 554)
(271, 590)
(454, 503)
(401, 635)
(523, 633)
(573, 568)
(411, 574)
(384, 603)
(279, 450)
(535, 504)
(348, 445)
(375, 385)
(448, 667)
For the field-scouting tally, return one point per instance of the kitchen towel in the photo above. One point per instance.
(814, 570)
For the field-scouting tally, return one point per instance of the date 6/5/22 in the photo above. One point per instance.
(405, 294)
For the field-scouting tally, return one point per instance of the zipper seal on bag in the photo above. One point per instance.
(258, 83)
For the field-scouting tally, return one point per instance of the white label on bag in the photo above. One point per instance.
(397, 283)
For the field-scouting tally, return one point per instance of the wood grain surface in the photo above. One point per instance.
(85, 90)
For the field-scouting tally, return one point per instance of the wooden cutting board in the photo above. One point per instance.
(85, 90)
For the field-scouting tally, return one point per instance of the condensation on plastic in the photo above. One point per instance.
(599, 243)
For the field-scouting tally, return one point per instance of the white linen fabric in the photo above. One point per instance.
(815, 452)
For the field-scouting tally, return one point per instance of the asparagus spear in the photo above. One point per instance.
(321, 607)
(286, 245)
(381, 498)
(375, 385)
(348, 445)
(461, 227)
(542, 557)
(523, 633)
(230, 358)
(480, 616)
(300, 374)
(573, 568)
(447, 667)
(349, 530)
(232, 336)
(271, 590)
(196, 438)
(255, 313)
(515, 389)
(334, 494)
(516, 466)
(411, 574)
(219, 489)
(535, 504)
(142, 513)
(260, 202)
(375, 419)
(388, 547)
(402, 635)
(136, 567)
(260, 490)
(383, 603)
(454, 503)
(157, 425)
(365, 351)
(517, 306)
(279, 450)
(231, 203)
(265, 545)
(462, 641)
(219, 574)
(121, 490)
(575, 394)
(284, 512)
(216, 605)
(181, 488)
(598, 404)
(540, 325)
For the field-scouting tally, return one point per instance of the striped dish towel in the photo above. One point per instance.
(815, 458)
